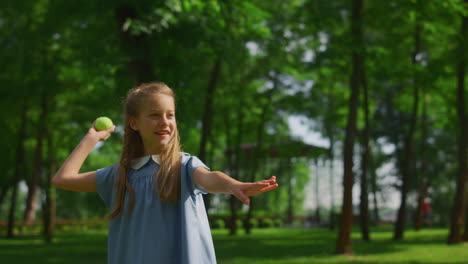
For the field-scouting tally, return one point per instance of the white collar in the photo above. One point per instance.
(140, 162)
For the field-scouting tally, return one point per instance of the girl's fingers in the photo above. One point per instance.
(241, 196)
(269, 188)
(106, 133)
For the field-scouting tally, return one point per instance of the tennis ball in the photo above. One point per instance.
(103, 123)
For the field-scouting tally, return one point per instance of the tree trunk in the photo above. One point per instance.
(257, 153)
(207, 117)
(343, 245)
(19, 169)
(331, 156)
(465, 233)
(460, 195)
(408, 162)
(364, 203)
(33, 191)
(49, 206)
(422, 180)
(137, 48)
(331, 170)
(3, 193)
(317, 192)
(290, 209)
(234, 203)
(374, 189)
(419, 215)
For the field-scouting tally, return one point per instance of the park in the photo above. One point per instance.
(358, 108)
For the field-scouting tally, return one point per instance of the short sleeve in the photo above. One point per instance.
(105, 182)
(192, 164)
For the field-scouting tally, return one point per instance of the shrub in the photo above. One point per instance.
(218, 223)
(266, 223)
(278, 222)
(239, 223)
(253, 223)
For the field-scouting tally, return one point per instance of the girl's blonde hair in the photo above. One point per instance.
(168, 176)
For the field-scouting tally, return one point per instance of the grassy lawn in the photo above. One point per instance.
(290, 246)
(286, 246)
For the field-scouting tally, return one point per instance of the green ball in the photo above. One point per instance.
(103, 123)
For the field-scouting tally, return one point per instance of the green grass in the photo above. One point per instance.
(286, 246)
(290, 246)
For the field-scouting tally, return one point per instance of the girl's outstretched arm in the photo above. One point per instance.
(219, 182)
(68, 176)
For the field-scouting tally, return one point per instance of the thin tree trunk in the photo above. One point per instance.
(465, 233)
(234, 203)
(19, 169)
(283, 181)
(460, 195)
(343, 245)
(207, 117)
(48, 207)
(419, 216)
(422, 181)
(331, 157)
(408, 161)
(317, 192)
(331, 170)
(364, 203)
(290, 209)
(374, 190)
(33, 191)
(3, 193)
(230, 165)
(257, 153)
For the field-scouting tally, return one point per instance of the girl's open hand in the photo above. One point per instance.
(242, 190)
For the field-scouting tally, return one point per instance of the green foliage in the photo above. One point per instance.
(298, 50)
(266, 223)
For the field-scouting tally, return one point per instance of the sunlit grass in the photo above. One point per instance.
(318, 246)
(263, 246)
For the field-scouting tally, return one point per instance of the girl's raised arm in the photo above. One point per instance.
(68, 176)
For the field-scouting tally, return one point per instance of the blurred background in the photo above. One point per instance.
(358, 107)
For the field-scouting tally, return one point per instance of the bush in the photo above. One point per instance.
(218, 224)
(266, 223)
(278, 222)
(253, 223)
(239, 223)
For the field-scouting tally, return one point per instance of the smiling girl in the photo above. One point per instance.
(157, 214)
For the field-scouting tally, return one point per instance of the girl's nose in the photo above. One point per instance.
(165, 120)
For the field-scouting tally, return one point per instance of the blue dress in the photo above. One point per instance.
(157, 232)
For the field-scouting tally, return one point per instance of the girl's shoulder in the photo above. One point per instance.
(187, 157)
(185, 154)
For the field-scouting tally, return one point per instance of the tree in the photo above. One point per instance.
(460, 196)
(365, 158)
(19, 168)
(343, 245)
(407, 166)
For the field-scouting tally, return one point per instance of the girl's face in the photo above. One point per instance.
(156, 122)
